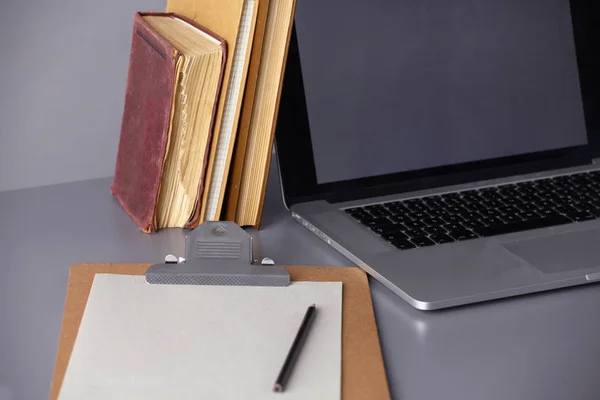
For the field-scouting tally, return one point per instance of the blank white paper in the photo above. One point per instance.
(142, 341)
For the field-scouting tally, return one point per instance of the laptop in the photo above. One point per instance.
(445, 148)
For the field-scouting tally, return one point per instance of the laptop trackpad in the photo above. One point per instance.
(560, 253)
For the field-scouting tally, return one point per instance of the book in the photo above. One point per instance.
(176, 68)
(237, 161)
(235, 21)
(221, 174)
(246, 201)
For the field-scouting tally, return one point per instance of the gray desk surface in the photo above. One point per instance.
(542, 346)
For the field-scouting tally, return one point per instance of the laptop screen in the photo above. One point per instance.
(402, 85)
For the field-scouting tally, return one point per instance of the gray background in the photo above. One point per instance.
(64, 65)
(63, 70)
(409, 84)
(535, 347)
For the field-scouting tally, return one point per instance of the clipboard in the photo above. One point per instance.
(363, 372)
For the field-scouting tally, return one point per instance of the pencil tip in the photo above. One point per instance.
(277, 388)
(313, 305)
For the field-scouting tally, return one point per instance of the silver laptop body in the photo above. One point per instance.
(462, 271)
(458, 273)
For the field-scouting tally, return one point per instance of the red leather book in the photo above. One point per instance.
(147, 121)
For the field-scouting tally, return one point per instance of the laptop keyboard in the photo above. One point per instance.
(471, 214)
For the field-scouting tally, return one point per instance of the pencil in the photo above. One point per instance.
(299, 340)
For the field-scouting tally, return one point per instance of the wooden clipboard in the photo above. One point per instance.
(363, 372)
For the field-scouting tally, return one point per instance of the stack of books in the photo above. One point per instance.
(200, 109)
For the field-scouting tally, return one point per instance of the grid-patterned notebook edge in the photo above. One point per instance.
(231, 104)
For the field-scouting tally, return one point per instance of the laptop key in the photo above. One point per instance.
(546, 212)
(453, 219)
(418, 207)
(457, 209)
(510, 195)
(422, 241)
(365, 220)
(453, 227)
(490, 189)
(396, 208)
(476, 207)
(450, 196)
(378, 214)
(510, 218)
(490, 193)
(362, 217)
(490, 221)
(402, 244)
(435, 230)
(593, 195)
(400, 218)
(581, 198)
(594, 211)
(565, 209)
(521, 226)
(494, 204)
(378, 221)
(375, 208)
(390, 237)
(508, 210)
(462, 235)
(472, 224)
(547, 195)
(418, 215)
(541, 203)
(433, 221)
(527, 198)
(510, 200)
(450, 202)
(566, 201)
(527, 206)
(385, 229)
(565, 192)
(526, 215)
(470, 216)
(414, 224)
(433, 204)
(441, 239)
(355, 211)
(414, 233)
(581, 216)
(439, 212)
(595, 203)
(490, 213)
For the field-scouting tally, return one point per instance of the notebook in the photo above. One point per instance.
(251, 164)
(138, 340)
(239, 151)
